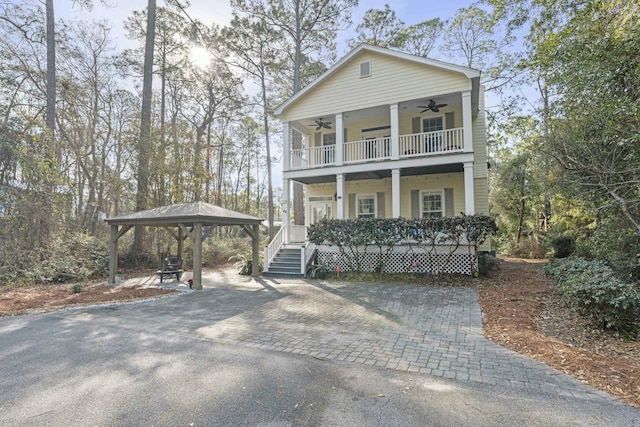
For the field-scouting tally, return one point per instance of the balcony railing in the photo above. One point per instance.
(307, 158)
(368, 149)
(425, 143)
(413, 145)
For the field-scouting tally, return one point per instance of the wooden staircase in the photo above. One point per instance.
(286, 262)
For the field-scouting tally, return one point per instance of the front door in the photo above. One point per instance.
(321, 210)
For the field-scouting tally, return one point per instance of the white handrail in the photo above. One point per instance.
(367, 149)
(437, 142)
(302, 158)
(273, 247)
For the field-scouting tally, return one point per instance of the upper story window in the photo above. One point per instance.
(365, 69)
(329, 138)
(432, 124)
(432, 204)
(366, 204)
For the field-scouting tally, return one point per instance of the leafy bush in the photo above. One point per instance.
(563, 246)
(487, 262)
(591, 289)
(77, 288)
(426, 233)
(243, 262)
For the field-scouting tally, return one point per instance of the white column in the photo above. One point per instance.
(340, 196)
(286, 146)
(395, 192)
(467, 128)
(339, 139)
(395, 132)
(469, 197)
(286, 203)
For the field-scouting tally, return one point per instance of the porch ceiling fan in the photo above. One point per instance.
(432, 106)
(321, 124)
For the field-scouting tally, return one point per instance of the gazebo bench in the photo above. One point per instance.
(172, 265)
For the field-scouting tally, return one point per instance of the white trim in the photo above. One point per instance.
(340, 214)
(429, 192)
(469, 193)
(467, 72)
(395, 193)
(373, 196)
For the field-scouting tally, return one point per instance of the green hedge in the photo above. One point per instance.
(385, 233)
(591, 289)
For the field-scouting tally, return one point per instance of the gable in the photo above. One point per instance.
(392, 79)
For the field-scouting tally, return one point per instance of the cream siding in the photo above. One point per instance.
(480, 142)
(481, 190)
(392, 80)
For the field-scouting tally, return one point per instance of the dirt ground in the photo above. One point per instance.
(522, 311)
(24, 299)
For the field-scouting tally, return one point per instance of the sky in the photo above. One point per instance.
(219, 12)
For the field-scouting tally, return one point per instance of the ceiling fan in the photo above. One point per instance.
(432, 106)
(321, 124)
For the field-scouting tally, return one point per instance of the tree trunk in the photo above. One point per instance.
(50, 114)
(268, 148)
(144, 143)
(521, 219)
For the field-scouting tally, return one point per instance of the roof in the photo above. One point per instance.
(468, 72)
(187, 214)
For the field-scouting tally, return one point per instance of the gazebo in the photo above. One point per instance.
(196, 220)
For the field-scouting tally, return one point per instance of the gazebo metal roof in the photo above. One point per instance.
(186, 214)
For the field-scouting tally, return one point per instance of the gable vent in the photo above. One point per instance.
(365, 69)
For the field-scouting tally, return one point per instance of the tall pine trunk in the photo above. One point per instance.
(144, 143)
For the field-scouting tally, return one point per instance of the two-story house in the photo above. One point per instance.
(383, 134)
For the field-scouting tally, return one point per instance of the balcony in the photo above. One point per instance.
(379, 149)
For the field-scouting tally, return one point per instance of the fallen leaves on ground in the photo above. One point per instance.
(23, 299)
(523, 311)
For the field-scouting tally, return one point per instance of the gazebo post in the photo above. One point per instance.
(255, 252)
(113, 254)
(116, 233)
(180, 242)
(197, 256)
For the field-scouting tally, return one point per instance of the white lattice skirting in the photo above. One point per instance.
(403, 259)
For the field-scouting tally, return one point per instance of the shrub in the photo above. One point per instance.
(563, 246)
(591, 289)
(244, 264)
(487, 262)
(77, 288)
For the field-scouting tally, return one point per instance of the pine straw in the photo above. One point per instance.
(523, 312)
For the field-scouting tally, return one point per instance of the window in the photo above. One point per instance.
(365, 69)
(432, 204)
(366, 205)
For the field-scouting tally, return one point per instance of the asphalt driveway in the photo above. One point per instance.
(274, 352)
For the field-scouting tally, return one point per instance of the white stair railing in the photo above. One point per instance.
(271, 250)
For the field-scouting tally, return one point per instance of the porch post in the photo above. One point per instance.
(395, 132)
(469, 197)
(467, 128)
(340, 195)
(339, 139)
(286, 146)
(286, 203)
(395, 193)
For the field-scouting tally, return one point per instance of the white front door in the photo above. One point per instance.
(321, 210)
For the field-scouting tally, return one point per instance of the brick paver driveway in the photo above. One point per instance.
(283, 352)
